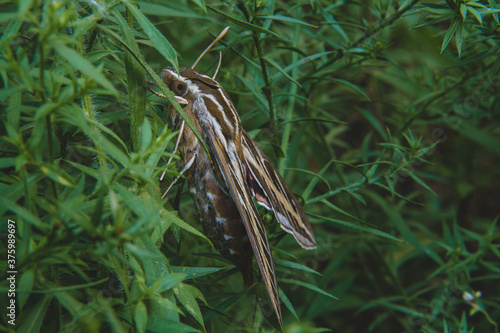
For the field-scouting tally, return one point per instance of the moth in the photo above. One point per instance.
(225, 184)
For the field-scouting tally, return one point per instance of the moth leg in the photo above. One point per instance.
(181, 172)
(181, 131)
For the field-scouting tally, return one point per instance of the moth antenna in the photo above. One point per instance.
(180, 100)
(170, 159)
(218, 66)
(222, 34)
(156, 93)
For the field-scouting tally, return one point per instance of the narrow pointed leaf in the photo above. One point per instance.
(159, 41)
(243, 24)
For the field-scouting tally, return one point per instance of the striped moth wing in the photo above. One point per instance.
(270, 191)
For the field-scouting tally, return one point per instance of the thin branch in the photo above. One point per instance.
(370, 33)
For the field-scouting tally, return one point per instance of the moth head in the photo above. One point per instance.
(177, 83)
(183, 88)
(187, 82)
(189, 86)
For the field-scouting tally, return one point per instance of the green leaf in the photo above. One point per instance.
(476, 14)
(459, 38)
(158, 325)
(373, 121)
(135, 84)
(201, 4)
(83, 65)
(4, 17)
(403, 309)
(256, 91)
(108, 131)
(341, 211)
(281, 70)
(336, 25)
(287, 19)
(153, 9)
(147, 135)
(57, 174)
(225, 304)
(307, 60)
(141, 317)
(106, 145)
(69, 302)
(449, 33)
(165, 304)
(463, 328)
(350, 225)
(12, 29)
(312, 174)
(22, 212)
(463, 10)
(33, 321)
(195, 272)
(156, 151)
(168, 281)
(187, 295)
(352, 86)
(54, 289)
(8, 92)
(183, 225)
(308, 286)
(445, 326)
(85, 169)
(6, 162)
(481, 137)
(132, 201)
(25, 285)
(139, 252)
(356, 196)
(436, 9)
(421, 182)
(295, 265)
(397, 220)
(307, 192)
(243, 24)
(287, 303)
(158, 41)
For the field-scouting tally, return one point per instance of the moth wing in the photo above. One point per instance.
(234, 174)
(271, 191)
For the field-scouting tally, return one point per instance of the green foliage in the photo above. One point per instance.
(389, 136)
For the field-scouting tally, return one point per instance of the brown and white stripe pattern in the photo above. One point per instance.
(224, 189)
